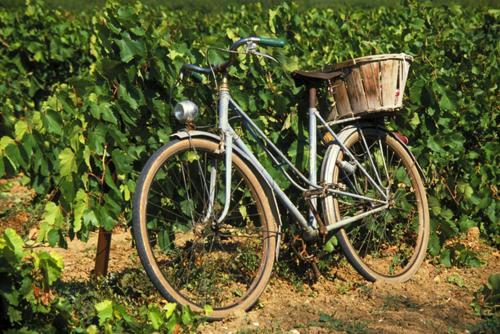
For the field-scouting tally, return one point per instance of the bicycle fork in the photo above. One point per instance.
(227, 148)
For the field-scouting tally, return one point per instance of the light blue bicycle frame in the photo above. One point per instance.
(309, 226)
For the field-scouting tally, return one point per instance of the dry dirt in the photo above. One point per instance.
(436, 300)
(13, 204)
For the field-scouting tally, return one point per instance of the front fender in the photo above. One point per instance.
(195, 133)
(267, 188)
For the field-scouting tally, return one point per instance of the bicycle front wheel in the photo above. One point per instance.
(191, 257)
(391, 243)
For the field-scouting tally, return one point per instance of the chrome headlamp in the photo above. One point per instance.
(186, 111)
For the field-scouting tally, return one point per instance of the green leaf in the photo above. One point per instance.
(52, 266)
(14, 244)
(53, 122)
(104, 218)
(466, 190)
(434, 245)
(67, 162)
(434, 205)
(191, 156)
(491, 212)
(130, 48)
(52, 215)
(104, 311)
(2, 167)
(456, 279)
(53, 237)
(109, 68)
(90, 218)
(164, 239)
(20, 129)
(445, 258)
(12, 297)
(186, 207)
(169, 309)
(13, 155)
(494, 282)
(465, 224)
(15, 315)
(154, 315)
(447, 103)
(330, 244)
(207, 310)
(122, 161)
(187, 316)
(433, 145)
(107, 114)
(80, 205)
(108, 178)
(415, 121)
(4, 141)
(53, 220)
(243, 211)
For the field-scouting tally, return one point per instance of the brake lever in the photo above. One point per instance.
(252, 48)
(265, 55)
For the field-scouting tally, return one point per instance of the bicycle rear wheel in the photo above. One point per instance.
(190, 257)
(390, 244)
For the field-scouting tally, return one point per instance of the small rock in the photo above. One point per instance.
(293, 331)
(473, 233)
(33, 233)
(255, 323)
(239, 314)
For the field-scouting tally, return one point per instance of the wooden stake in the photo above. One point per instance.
(102, 254)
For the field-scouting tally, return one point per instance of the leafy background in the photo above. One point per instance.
(84, 99)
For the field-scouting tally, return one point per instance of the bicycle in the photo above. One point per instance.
(206, 219)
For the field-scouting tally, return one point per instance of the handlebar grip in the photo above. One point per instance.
(274, 42)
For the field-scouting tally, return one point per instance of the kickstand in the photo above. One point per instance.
(303, 255)
(314, 266)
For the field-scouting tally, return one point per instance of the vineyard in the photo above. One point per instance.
(86, 98)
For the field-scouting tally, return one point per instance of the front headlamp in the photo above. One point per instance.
(186, 111)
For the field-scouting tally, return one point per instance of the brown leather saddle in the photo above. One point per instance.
(315, 78)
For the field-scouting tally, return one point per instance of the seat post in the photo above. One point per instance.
(312, 96)
(312, 147)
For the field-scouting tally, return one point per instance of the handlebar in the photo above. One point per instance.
(266, 41)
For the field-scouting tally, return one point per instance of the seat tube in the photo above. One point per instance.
(228, 142)
(312, 149)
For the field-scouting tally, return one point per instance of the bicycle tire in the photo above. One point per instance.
(382, 261)
(147, 237)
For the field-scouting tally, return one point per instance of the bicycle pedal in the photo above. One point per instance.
(327, 139)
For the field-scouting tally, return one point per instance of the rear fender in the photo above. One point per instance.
(267, 188)
(347, 131)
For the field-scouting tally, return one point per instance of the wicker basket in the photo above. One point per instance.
(370, 85)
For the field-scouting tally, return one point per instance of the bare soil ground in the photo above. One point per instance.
(436, 300)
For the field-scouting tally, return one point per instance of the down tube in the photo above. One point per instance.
(281, 195)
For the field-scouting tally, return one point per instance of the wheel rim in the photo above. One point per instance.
(205, 262)
(387, 243)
